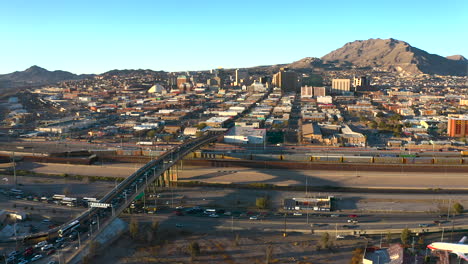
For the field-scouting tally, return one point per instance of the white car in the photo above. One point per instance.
(47, 247)
(254, 217)
(214, 215)
(297, 214)
(339, 237)
(36, 257)
(41, 244)
(24, 261)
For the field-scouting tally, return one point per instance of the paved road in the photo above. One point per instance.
(379, 221)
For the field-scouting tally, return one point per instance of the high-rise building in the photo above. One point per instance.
(341, 85)
(286, 80)
(361, 82)
(181, 79)
(457, 127)
(241, 76)
(172, 80)
(320, 91)
(307, 91)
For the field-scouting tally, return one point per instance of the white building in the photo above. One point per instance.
(245, 135)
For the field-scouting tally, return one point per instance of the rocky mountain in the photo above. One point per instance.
(36, 75)
(395, 55)
(308, 62)
(456, 58)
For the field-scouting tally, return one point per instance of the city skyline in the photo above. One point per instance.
(98, 37)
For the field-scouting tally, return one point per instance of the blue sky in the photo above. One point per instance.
(96, 36)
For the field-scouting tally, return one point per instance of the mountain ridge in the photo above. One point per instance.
(395, 55)
(383, 54)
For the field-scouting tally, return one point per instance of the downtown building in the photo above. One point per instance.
(457, 126)
(286, 80)
(341, 86)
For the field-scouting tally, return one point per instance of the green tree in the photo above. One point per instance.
(155, 226)
(380, 114)
(268, 254)
(93, 248)
(396, 117)
(357, 256)
(201, 126)
(261, 202)
(151, 134)
(373, 124)
(325, 240)
(389, 237)
(421, 242)
(66, 191)
(194, 249)
(236, 240)
(405, 236)
(134, 226)
(458, 208)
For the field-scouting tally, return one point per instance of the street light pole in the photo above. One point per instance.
(79, 240)
(14, 169)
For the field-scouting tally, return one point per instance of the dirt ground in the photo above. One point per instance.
(172, 247)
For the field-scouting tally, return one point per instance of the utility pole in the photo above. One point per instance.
(284, 232)
(14, 169)
(448, 208)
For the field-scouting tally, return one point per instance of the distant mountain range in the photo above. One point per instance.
(381, 54)
(399, 56)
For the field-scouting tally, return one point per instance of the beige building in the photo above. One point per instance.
(341, 85)
(311, 133)
(286, 80)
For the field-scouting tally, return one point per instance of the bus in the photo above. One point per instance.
(68, 201)
(16, 192)
(58, 196)
(69, 228)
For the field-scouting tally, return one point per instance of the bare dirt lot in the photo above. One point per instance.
(339, 178)
(172, 247)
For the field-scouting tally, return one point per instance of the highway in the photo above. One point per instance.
(294, 223)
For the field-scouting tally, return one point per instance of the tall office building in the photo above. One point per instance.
(361, 82)
(172, 80)
(286, 80)
(457, 127)
(307, 91)
(341, 85)
(320, 91)
(181, 79)
(241, 76)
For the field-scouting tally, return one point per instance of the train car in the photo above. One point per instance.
(388, 160)
(69, 228)
(448, 161)
(327, 158)
(357, 159)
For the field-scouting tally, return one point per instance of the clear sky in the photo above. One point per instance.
(95, 36)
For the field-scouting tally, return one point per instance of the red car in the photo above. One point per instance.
(28, 252)
(353, 215)
(178, 213)
(50, 252)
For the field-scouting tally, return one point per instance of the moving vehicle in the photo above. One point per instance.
(69, 228)
(41, 244)
(37, 257)
(460, 249)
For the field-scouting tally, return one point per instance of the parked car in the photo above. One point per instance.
(36, 257)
